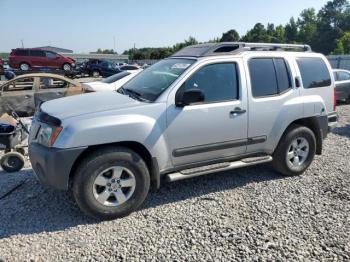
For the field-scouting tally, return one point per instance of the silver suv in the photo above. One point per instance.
(207, 108)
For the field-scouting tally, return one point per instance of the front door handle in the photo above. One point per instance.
(238, 111)
(27, 96)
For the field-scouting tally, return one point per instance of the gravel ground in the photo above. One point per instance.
(248, 214)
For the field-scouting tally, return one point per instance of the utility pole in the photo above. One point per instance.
(134, 51)
(22, 42)
(114, 44)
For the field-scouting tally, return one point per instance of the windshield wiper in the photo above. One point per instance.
(134, 94)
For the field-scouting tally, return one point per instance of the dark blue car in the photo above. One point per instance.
(103, 68)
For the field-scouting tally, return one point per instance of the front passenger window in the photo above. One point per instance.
(218, 82)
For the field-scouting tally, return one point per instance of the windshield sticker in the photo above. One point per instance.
(180, 66)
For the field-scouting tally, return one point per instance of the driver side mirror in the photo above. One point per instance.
(189, 97)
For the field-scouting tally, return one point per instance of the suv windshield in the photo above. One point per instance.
(150, 83)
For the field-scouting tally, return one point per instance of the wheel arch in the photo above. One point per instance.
(24, 62)
(151, 162)
(315, 124)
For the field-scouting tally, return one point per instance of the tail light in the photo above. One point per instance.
(334, 100)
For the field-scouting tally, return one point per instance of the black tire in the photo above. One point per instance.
(280, 163)
(24, 64)
(12, 162)
(93, 165)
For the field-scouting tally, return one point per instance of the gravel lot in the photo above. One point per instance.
(251, 214)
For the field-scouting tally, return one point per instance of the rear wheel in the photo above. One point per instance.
(111, 183)
(24, 66)
(12, 162)
(295, 152)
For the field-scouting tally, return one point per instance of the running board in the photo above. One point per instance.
(204, 170)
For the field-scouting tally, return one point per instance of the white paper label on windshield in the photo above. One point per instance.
(180, 66)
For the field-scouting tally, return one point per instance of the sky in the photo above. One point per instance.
(86, 25)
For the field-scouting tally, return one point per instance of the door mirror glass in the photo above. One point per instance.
(189, 97)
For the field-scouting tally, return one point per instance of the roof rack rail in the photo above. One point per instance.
(273, 47)
(211, 49)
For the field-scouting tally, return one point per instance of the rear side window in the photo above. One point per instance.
(21, 84)
(269, 76)
(22, 52)
(283, 77)
(38, 53)
(314, 72)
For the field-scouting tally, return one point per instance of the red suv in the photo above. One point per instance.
(26, 58)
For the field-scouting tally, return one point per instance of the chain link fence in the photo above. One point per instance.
(340, 61)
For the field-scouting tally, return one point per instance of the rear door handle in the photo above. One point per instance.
(27, 96)
(238, 111)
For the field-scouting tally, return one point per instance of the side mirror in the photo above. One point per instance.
(189, 97)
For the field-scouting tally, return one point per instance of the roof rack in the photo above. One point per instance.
(212, 49)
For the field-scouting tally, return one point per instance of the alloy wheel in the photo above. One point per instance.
(114, 186)
(298, 152)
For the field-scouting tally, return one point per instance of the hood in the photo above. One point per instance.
(87, 103)
(98, 86)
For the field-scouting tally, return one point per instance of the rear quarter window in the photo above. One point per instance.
(314, 72)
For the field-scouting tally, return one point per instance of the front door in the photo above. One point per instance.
(216, 128)
(49, 89)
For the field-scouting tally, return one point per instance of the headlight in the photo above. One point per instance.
(47, 135)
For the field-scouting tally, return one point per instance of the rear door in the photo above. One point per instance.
(37, 58)
(19, 96)
(272, 100)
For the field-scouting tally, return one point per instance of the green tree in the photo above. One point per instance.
(257, 34)
(330, 27)
(230, 36)
(291, 31)
(280, 34)
(307, 24)
(343, 45)
(190, 41)
(105, 51)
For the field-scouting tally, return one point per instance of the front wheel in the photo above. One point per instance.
(110, 183)
(95, 73)
(24, 66)
(295, 152)
(67, 67)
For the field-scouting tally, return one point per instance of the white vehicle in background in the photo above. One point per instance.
(110, 83)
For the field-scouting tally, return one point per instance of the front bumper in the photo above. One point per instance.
(52, 166)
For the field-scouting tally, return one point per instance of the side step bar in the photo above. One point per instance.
(194, 172)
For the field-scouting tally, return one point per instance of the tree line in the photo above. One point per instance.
(327, 31)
